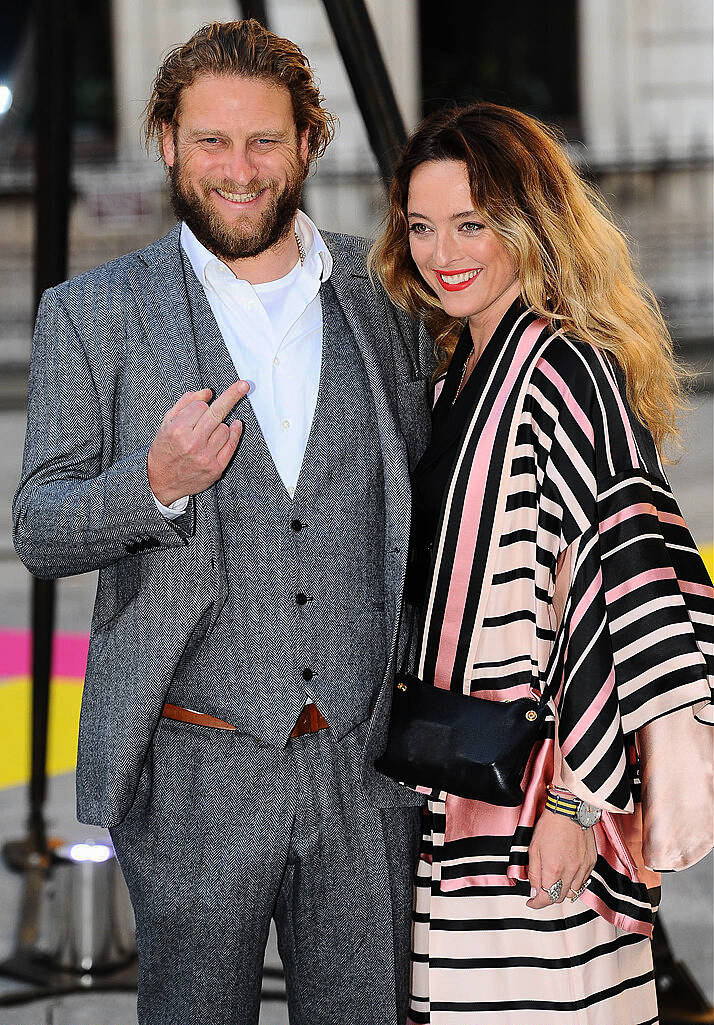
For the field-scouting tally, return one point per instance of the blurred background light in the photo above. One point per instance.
(90, 852)
(5, 99)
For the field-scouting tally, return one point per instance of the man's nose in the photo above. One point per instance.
(240, 165)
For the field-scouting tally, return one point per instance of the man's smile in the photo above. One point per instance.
(242, 198)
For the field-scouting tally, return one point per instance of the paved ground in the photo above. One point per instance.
(687, 901)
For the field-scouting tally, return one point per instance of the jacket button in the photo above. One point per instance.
(301, 598)
(307, 675)
(297, 526)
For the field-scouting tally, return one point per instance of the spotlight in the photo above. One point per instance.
(5, 98)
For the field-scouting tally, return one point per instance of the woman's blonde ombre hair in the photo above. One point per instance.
(574, 265)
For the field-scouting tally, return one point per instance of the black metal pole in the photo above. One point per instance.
(370, 80)
(54, 53)
(255, 9)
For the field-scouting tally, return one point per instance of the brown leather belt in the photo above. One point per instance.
(310, 719)
(197, 718)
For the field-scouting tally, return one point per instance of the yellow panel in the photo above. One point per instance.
(708, 556)
(65, 701)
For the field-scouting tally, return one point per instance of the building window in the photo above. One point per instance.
(519, 54)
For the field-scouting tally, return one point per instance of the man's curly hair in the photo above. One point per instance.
(245, 49)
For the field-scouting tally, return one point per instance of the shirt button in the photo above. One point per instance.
(296, 525)
(276, 362)
(307, 675)
(285, 425)
(301, 598)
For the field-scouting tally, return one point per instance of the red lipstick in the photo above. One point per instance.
(447, 281)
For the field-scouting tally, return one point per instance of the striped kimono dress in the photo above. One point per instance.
(559, 556)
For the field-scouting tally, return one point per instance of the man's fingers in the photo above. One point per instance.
(225, 453)
(190, 396)
(219, 410)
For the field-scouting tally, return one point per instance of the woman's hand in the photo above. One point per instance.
(560, 849)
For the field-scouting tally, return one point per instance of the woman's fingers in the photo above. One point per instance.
(534, 875)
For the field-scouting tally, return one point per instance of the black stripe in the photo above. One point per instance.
(505, 662)
(499, 924)
(624, 940)
(545, 1005)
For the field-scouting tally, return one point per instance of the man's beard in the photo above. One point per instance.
(245, 237)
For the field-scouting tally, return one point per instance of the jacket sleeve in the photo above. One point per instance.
(75, 510)
(635, 641)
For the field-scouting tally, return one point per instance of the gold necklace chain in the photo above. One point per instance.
(463, 374)
(301, 248)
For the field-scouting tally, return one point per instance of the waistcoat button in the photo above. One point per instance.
(301, 598)
(307, 674)
(297, 525)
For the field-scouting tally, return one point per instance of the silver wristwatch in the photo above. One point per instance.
(586, 815)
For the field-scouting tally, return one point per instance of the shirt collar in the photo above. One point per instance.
(318, 259)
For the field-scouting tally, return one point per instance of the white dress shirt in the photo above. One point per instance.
(273, 333)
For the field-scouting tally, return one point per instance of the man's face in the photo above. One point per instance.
(236, 164)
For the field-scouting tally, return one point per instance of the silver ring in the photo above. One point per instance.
(581, 891)
(555, 890)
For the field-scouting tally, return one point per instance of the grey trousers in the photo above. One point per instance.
(225, 835)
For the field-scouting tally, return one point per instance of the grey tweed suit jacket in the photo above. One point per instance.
(113, 350)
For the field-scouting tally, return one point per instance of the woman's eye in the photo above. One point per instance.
(417, 228)
(471, 227)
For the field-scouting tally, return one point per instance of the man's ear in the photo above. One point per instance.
(168, 147)
(304, 149)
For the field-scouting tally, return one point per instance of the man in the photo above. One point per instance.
(244, 633)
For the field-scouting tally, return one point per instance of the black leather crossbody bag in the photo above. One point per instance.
(471, 747)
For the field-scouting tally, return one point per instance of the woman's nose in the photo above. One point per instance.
(446, 250)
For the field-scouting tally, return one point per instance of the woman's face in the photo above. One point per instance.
(462, 260)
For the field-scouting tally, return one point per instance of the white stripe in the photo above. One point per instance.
(648, 640)
(642, 611)
(606, 439)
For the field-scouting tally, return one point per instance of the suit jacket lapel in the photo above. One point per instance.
(159, 286)
(360, 306)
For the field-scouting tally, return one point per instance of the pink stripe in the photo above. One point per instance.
(665, 573)
(585, 721)
(666, 517)
(639, 509)
(448, 885)
(702, 589)
(519, 690)
(438, 389)
(625, 421)
(471, 516)
(585, 602)
(570, 401)
(621, 921)
(69, 654)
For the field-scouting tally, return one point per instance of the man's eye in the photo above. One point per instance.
(211, 140)
(267, 142)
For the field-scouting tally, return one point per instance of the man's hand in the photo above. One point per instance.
(194, 446)
(560, 849)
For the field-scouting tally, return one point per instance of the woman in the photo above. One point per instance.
(547, 551)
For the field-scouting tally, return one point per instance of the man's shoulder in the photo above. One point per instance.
(347, 248)
(113, 275)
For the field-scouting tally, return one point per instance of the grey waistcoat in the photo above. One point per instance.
(305, 608)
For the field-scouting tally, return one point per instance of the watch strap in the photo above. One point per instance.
(562, 804)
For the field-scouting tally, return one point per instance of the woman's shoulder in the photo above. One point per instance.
(569, 368)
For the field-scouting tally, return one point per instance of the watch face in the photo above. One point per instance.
(587, 815)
